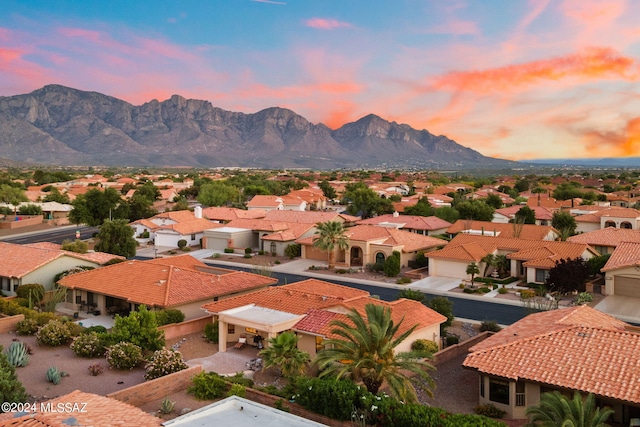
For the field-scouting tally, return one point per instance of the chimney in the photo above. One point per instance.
(396, 214)
(198, 212)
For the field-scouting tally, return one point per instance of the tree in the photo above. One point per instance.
(473, 269)
(475, 209)
(77, 246)
(217, 194)
(140, 328)
(411, 294)
(503, 264)
(282, 352)
(422, 208)
(330, 236)
(54, 195)
(521, 185)
(444, 306)
(447, 213)
(597, 263)
(30, 209)
(365, 202)
(95, 206)
(148, 191)
(494, 201)
(11, 389)
(364, 351)
(12, 195)
(392, 265)
(328, 191)
(564, 222)
(116, 237)
(489, 261)
(137, 207)
(525, 215)
(568, 275)
(556, 409)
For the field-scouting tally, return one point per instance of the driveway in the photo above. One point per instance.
(435, 284)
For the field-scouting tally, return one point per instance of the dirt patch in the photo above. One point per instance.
(33, 376)
(193, 346)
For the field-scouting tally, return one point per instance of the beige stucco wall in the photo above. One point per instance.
(446, 268)
(45, 274)
(307, 342)
(609, 280)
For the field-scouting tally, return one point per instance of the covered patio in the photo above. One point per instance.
(251, 320)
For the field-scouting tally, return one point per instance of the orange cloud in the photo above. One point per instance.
(326, 24)
(593, 63)
(624, 143)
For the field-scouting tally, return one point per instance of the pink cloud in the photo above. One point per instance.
(326, 24)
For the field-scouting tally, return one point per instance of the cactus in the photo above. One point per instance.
(166, 406)
(17, 354)
(54, 375)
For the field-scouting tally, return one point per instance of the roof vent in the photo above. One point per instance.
(583, 334)
(324, 297)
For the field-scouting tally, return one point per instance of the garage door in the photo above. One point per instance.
(626, 286)
(315, 253)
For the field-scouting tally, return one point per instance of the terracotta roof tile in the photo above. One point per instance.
(228, 214)
(496, 229)
(308, 217)
(414, 222)
(197, 225)
(410, 242)
(92, 410)
(626, 254)
(609, 236)
(154, 283)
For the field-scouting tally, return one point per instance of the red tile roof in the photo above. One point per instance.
(609, 236)
(228, 214)
(410, 242)
(626, 254)
(308, 217)
(91, 410)
(414, 222)
(596, 355)
(526, 231)
(157, 283)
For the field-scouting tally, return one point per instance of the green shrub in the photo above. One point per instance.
(489, 325)
(333, 398)
(99, 329)
(186, 249)
(503, 291)
(211, 332)
(239, 378)
(207, 386)
(527, 293)
(27, 327)
(164, 362)
(392, 265)
(168, 316)
(124, 355)
(484, 290)
(77, 246)
(452, 340)
(141, 328)
(182, 243)
(277, 261)
(54, 375)
(33, 291)
(247, 256)
(45, 317)
(216, 255)
(260, 252)
(75, 329)
(248, 251)
(425, 345)
(54, 333)
(489, 410)
(228, 250)
(293, 250)
(166, 406)
(144, 234)
(88, 345)
(403, 280)
(237, 390)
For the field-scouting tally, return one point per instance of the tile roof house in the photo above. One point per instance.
(605, 240)
(543, 214)
(368, 244)
(530, 259)
(168, 228)
(269, 203)
(426, 225)
(487, 228)
(80, 408)
(224, 214)
(622, 270)
(576, 348)
(308, 307)
(314, 197)
(310, 217)
(610, 217)
(40, 263)
(180, 282)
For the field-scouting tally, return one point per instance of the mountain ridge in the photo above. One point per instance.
(61, 125)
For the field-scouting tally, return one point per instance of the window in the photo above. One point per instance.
(520, 396)
(231, 329)
(272, 247)
(499, 391)
(193, 237)
(541, 275)
(380, 258)
(481, 385)
(319, 343)
(78, 299)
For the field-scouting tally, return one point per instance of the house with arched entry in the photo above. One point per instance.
(370, 244)
(597, 219)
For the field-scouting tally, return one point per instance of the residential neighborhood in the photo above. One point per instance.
(573, 265)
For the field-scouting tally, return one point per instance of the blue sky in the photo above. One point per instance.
(512, 79)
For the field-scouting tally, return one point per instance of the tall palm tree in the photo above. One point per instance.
(503, 264)
(472, 270)
(330, 236)
(282, 352)
(558, 410)
(364, 352)
(489, 261)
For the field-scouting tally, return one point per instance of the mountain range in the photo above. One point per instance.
(58, 125)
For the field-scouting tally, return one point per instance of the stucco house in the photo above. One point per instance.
(180, 282)
(606, 240)
(369, 244)
(622, 270)
(530, 259)
(40, 263)
(168, 228)
(307, 308)
(495, 229)
(610, 217)
(543, 214)
(570, 349)
(425, 225)
(269, 203)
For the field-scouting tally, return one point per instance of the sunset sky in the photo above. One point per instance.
(512, 79)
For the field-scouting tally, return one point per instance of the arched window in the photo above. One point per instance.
(609, 224)
(273, 247)
(380, 258)
(626, 225)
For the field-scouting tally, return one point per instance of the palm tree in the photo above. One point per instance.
(283, 353)
(473, 269)
(503, 264)
(364, 352)
(558, 410)
(330, 235)
(489, 261)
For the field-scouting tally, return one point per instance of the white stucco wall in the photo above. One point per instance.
(45, 274)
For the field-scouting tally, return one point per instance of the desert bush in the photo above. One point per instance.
(164, 362)
(77, 246)
(248, 251)
(54, 333)
(425, 345)
(237, 390)
(211, 332)
(489, 410)
(124, 355)
(207, 386)
(35, 291)
(239, 378)
(75, 329)
(392, 265)
(45, 317)
(182, 243)
(489, 325)
(87, 345)
(166, 406)
(403, 280)
(228, 250)
(168, 316)
(17, 354)
(502, 291)
(452, 340)
(54, 375)
(27, 327)
(293, 250)
(99, 329)
(95, 369)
